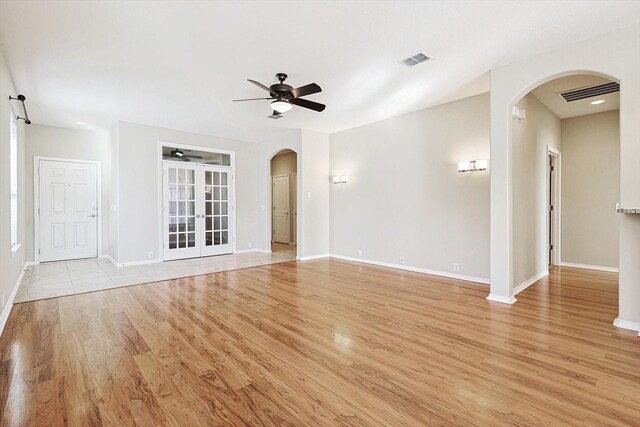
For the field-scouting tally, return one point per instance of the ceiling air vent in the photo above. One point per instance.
(415, 59)
(590, 91)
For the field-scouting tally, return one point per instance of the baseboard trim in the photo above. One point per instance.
(309, 258)
(4, 316)
(501, 299)
(28, 263)
(246, 251)
(108, 257)
(524, 285)
(589, 267)
(133, 263)
(625, 324)
(264, 251)
(414, 269)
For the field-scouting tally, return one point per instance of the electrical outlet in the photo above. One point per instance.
(360, 253)
(250, 245)
(456, 267)
(401, 260)
(150, 255)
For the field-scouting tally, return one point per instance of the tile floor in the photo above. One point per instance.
(75, 277)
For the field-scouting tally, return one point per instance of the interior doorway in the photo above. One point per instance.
(565, 157)
(284, 214)
(198, 202)
(67, 208)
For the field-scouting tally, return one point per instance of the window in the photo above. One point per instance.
(13, 168)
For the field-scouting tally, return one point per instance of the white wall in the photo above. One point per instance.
(287, 164)
(139, 197)
(62, 143)
(405, 197)
(11, 265)
(314, 228)
(615, 55)
(110, 210)
(530, 139)
(590, 189)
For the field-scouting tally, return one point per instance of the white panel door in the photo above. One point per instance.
(216, 214)
(68, 227)
(280, 197)
(180, 228)
(198, 210)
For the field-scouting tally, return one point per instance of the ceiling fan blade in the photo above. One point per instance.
(192, 157)
(251, 99)
(260, 85)
(306, 90)
(315, 106)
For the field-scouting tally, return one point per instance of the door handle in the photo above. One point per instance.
(92, 216)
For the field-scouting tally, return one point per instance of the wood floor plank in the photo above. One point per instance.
(324, 343)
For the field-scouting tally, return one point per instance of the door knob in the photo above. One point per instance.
(92, 216)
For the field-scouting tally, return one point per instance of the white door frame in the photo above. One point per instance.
(556, 257)
(294, 214)
(232, 196)
(36, 200)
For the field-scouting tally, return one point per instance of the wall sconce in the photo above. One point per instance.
(340, 179)
(473, 165)
(518, 114)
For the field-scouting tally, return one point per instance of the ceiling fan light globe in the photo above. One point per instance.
(281, 106)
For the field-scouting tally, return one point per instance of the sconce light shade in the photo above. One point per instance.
(344, 179)
(518, 114)
(463, 166)
(336, 180)
(472, 165)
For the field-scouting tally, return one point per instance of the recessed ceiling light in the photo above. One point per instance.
(598, 102)
(81, 123)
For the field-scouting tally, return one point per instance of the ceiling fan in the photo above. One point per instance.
(178, 154)
(284, 97)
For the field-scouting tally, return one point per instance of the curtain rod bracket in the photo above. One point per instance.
(21, 98)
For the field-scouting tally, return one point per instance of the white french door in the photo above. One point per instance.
(198, 211)
(68, 210)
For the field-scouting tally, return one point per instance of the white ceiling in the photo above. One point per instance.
(178, 64)
(548, 94)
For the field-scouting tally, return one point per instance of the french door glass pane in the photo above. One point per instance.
(182, 207)
(216, 208)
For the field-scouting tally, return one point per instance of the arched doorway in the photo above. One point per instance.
(565, 144)
(509, 84)
(283, 202)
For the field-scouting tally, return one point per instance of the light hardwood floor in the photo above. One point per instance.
(322, 342)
